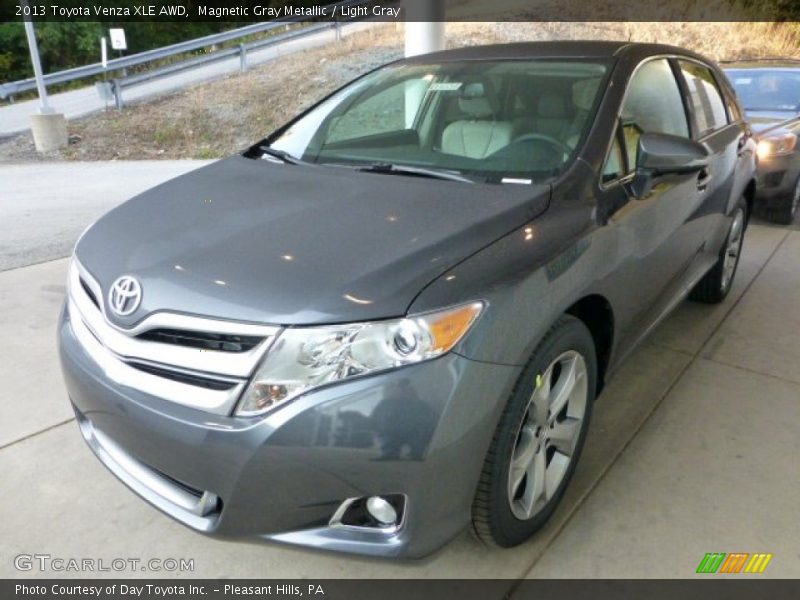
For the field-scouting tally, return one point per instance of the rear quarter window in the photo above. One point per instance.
(705, 97)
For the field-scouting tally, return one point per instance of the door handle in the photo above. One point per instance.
(703, 178)
(740, 146)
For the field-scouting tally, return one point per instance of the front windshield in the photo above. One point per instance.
(489, 119)
(762, 89)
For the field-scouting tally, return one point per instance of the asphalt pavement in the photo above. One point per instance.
(44, 207)
(692, 447)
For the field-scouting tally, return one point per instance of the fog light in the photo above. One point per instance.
(380, 510)
(383, 514)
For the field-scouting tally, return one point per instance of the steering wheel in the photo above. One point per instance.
(541, 137)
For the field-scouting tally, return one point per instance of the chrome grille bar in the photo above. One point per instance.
(125, 343)
(209, 380)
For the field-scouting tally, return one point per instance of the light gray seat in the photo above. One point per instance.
(480, 135)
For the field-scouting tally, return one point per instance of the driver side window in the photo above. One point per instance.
(653, 104)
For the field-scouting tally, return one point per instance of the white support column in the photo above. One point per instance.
(425, 21)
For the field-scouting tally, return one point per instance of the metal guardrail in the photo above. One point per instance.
(10, 89)
(764, 59)
(116, 85)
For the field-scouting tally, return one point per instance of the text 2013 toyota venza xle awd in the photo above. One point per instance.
(388, 320)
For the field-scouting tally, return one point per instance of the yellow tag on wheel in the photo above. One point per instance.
(539, 380)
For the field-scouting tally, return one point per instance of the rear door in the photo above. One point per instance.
(725, 136)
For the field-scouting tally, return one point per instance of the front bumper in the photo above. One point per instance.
(421, 431)
(777, 178)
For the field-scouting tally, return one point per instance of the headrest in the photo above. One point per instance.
(474, 89)
(583, 93)
(475, 100)
(551, 105)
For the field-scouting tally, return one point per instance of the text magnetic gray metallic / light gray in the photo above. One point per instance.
(388, 321)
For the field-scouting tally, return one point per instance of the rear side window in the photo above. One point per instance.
(653, 104)
(704, 94)
(734, 112)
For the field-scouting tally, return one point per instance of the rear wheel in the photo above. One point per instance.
(715, 285)
(786, 211)
(539, 437)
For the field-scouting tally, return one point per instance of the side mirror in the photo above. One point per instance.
(661, 154)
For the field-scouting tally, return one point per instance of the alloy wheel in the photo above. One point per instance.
(733, 249)
(548, 435)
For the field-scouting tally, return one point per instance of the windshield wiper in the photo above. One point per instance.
(281, 155)
(393, 169)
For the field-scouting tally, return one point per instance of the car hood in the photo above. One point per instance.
(762, 120)
(250, 240)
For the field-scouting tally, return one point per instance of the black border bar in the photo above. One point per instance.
(706, 588)
(244, 11)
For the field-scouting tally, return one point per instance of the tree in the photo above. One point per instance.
(77, 43)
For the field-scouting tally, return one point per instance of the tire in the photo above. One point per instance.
(784, 213)
(500, 515)
(715, 285)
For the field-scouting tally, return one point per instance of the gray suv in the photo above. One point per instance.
(389, 320)
(769, 92)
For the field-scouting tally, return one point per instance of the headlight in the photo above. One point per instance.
(776, 145)
(303, 358)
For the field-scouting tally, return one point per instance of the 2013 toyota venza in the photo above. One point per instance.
(389, 320)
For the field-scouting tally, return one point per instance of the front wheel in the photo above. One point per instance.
(539, 437)
(713, 288)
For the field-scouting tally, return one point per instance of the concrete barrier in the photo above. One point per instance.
(49, 131)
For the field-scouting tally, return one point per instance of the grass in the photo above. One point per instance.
(725, 41)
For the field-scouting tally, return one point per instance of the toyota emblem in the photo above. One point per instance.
(125, 295)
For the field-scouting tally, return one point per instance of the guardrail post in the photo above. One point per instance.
(117, 93)
(243, 66)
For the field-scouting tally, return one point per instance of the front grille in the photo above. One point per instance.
(90, 293)
(202, 340)
(188, 378)
(186, 488)
(200, 362)
(197, 508)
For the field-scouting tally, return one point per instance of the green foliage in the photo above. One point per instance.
(64, 45)
(74, 44)
(14, 51)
